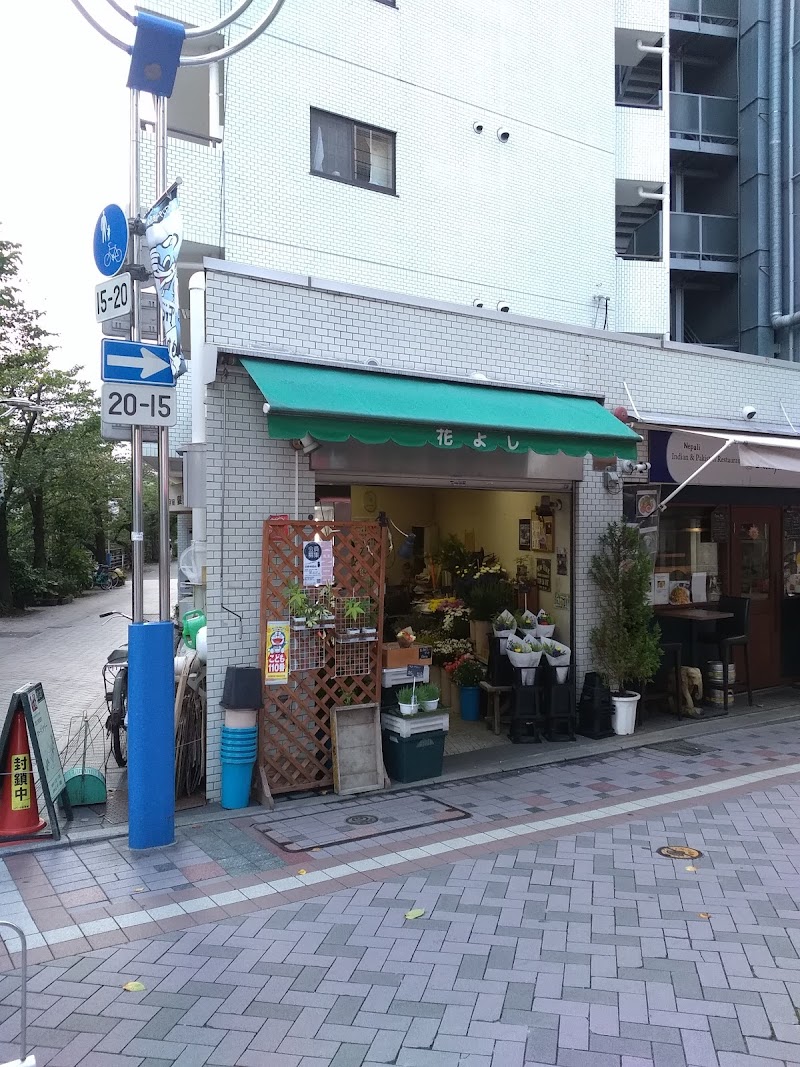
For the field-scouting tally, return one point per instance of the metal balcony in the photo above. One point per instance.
(704, 123)
(645, 240)
(704, 242)
(705, 15)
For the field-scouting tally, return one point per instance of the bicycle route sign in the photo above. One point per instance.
(110, 240)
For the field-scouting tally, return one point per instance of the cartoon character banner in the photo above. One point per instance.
(164, 233)
(276, 657)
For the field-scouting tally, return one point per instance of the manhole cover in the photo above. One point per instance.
(679, 852)
(680, 748)
(361, 820)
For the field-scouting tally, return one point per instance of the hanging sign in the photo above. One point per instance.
(317, 562)
(276, 665)
(31, 701)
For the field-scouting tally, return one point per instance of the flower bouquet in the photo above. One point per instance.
(504, 624)
(546, 625)
(406, 637)
(526, 655)
(558, 656)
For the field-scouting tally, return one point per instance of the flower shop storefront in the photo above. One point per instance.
(475, 486)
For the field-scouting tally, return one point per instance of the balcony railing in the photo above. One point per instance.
(704, 118)
(711, 12)
(707, 238)
(645, 241)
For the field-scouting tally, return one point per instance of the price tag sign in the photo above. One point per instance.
(415, 670)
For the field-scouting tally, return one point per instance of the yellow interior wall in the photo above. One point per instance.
(490, 516)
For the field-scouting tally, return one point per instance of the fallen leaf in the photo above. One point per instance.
(691, 868)
(302, 871)
(134, 987)
(704, 915)
(415, 913)
(139, 889)
(315, 850)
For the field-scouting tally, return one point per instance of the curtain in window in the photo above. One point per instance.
(330, 146)
(373, 157)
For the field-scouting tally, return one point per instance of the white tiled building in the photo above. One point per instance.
(482, 200)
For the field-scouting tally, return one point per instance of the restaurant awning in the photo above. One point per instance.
(332, 403)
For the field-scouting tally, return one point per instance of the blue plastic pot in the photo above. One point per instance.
(469, 698)
(239, 731)
(236, 779)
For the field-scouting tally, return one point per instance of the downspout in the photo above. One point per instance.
(778, 319)
(197, 333)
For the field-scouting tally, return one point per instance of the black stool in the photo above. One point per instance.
(559, 704)
(526, 713)
(728, 634)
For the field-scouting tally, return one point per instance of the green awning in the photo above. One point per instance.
(336, 403)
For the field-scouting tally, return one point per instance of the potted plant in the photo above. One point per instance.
(325, 600)
(558, 656)
(625, 642)
(428, 696)
(407, 700)
(545, 625)
(525, 654)
(467, 673)
(354, 611)
(368, 623)
(486, 598)
(298, 605)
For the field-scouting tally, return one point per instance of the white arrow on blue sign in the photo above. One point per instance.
(110, 240)
(135, 361)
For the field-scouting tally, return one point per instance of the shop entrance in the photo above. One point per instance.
(755, 570)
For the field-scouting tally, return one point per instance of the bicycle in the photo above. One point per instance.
(113, 255)
(115, 685)
(105, 578)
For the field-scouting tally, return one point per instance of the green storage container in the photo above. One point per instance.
(410, 759)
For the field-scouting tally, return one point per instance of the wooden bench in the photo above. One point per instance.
(494, 693)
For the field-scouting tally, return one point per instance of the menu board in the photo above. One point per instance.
(720, 526)
(791, 523)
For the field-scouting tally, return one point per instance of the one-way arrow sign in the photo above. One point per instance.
(133, 361)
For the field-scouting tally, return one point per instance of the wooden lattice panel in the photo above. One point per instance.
(294, 738)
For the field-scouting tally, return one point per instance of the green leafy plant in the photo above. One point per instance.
(347, 700)
(297, 600)
(625, 643)
(466, 671)
(354, 610)
(488, 598)
(427, 691)
(406, 695)
(453, 556)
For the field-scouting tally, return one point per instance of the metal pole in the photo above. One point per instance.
(137, 511)
(164, 551)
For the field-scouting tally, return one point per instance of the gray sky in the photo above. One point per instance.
(65, 157)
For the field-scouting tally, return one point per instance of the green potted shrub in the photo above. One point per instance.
(297, 601)
(428, 696)
(354, 612)
(625, 643)
(408, 700)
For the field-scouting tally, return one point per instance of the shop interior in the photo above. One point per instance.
(457, 557)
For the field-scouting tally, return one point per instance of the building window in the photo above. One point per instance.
(349, 151)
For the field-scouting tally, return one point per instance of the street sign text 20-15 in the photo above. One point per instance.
(139, 405)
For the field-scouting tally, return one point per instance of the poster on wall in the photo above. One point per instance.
(524, 535)
(543, 533)
(561, 561)
(317, 562)
(640, 509)
(543, 573)
(276, 657)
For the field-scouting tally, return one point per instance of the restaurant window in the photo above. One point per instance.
(692, 561)
(348, 151)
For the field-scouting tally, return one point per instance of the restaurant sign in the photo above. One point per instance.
(674, 456)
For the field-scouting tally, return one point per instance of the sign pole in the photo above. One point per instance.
(137, 509)
(164, 551)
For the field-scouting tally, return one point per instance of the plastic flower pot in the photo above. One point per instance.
(431, 705)
(469, 696)
(408, 709)
(623, 718)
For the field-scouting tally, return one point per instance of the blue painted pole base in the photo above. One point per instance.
(151, 735)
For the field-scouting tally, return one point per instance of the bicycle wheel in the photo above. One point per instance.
(116, 720)
(114, 580)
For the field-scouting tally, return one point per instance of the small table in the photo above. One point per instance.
(694, 617)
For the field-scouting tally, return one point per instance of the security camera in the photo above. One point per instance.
(627, 466)
(266, 407)
(503, 306)
(477, 303)
(749, 412)
(477, 127)
(503, 135)
(642, 468)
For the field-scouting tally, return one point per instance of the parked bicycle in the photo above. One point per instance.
(104, 577)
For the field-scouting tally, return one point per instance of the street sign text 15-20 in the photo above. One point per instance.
(113, 298)
(139, 405)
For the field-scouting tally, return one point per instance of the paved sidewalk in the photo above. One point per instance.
(587, 949)
(65, 648)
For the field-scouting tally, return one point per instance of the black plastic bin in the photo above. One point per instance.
(243, 688)
(410, 759)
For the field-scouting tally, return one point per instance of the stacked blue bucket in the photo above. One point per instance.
(241, 699)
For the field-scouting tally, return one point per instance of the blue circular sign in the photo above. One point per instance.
(111, 240)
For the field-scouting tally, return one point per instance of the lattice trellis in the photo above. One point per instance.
(295, 732)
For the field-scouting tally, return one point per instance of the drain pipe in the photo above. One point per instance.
(778, 319)
(197, 332)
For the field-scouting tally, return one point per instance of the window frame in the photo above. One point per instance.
(387, 190)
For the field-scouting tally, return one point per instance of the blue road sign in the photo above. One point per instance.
(135, 361)
(111, 240)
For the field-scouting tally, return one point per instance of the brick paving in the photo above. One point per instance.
(585, 948)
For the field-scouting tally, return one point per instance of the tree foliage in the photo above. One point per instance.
(625, 643)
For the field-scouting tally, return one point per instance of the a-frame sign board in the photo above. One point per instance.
(30, 699)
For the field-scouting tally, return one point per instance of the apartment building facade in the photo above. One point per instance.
(548, 197)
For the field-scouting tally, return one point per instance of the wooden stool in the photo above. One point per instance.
(493, 695)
